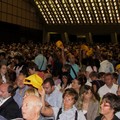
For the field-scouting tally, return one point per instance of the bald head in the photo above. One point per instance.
(31, 107)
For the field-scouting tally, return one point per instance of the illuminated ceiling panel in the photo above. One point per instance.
(79, 11)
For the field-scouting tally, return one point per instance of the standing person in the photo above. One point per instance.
(41, 61)
(109, 85)
(109, 106)
(68, 111)
(74, 70)
(105, 65)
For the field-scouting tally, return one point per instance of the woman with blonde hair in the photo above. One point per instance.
(32, 91)
(88, 103)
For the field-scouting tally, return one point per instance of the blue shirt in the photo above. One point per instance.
(19, 97)
(41, 62)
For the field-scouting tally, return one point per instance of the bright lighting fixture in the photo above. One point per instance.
(77, 1)
(56, 1)
(70, 1)
(58, 5)
(78, 4)
(38, 6)
(43, 2)
(36, 2)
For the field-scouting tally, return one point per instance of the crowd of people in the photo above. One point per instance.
(59, 81)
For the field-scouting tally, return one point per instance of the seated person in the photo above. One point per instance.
(109, 106)
(68, 111)
(31, 107)
(8, 107)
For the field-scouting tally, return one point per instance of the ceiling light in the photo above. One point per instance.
(38, 6)
(77, 1)
(70, 1)
(56, 1)
(43, 2)
(36, 2)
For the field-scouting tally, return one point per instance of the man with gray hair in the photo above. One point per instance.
(31, 107)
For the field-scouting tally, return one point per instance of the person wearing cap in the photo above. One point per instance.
(34, 80)
(118, 71)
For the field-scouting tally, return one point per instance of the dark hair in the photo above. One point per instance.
(2, 54)
(113, 100)
(32, 65)
(101, 74)
(108, 74)
(93, 74)
(67, 75)
(20, 59)
(81, 79)
(71, 92)
(49, 80)
(67, 67)
(115, 75)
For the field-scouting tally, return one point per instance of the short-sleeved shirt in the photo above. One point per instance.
(69, 114)
(104, 89)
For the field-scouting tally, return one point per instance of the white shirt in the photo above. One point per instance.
(105, 89)
(4, 79)
(106, 66)
(2, 101)
(118, 114)
(90, 69)
(69, 114)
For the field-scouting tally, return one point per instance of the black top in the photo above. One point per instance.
(100, 118)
